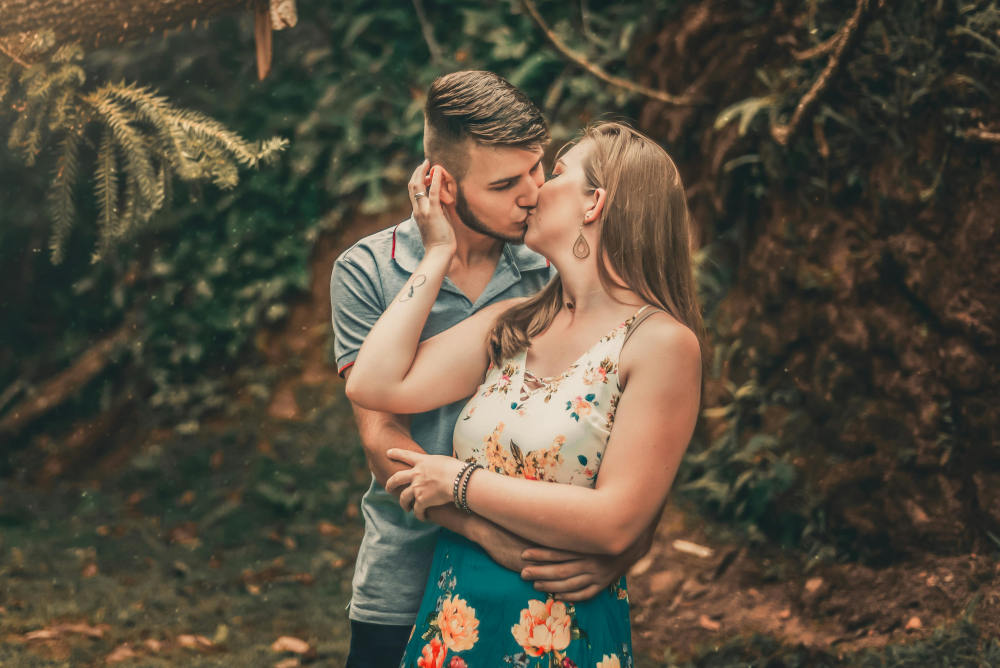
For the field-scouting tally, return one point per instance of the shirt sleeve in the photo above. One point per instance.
(355, 304)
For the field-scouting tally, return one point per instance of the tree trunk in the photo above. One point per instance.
(96, 23)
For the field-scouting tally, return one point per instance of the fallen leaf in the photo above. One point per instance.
(103, 530)
(290, 644)
(89, 571)
(193, 642)
(187, 498)
(812, 584)
(290, 662)
(914, 624)
(328, 528)
(153, 644)
(785, 614)
(705, 622)
(688, 547)
(642, 565)
(121, 653)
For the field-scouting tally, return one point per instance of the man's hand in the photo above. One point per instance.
(573, 576)
(503, 547)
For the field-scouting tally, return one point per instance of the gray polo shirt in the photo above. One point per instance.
(396, 550)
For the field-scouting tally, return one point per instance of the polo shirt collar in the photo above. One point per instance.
(408, 250)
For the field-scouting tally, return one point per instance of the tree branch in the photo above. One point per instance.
(845, 38)
(95, 23)
(596, 70)
(981, 134)
(437, 55)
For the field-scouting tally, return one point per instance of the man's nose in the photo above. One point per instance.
(528, 199)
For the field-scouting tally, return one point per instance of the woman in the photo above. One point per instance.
(563, 401)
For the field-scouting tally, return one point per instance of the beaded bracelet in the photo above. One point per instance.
(458, 481)
(464, 493)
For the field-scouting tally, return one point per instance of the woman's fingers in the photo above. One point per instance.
(407, 499)
(403, 455)
(416, 185)
(399, 479)
(434, 192)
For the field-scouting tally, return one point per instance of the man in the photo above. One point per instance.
(489, 140)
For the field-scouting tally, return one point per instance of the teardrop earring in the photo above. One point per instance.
(581, 249)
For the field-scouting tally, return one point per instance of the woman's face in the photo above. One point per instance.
(562, 204)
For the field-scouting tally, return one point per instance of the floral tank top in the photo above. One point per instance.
(553, 429)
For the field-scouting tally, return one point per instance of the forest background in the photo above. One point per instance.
(180, 473)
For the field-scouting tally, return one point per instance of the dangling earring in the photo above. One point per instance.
(581, 249)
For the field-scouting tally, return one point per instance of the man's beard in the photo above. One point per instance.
(466, 216)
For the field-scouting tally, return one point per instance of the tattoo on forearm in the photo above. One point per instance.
(415, 283)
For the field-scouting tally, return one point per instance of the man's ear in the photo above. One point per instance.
(449, 187)
(598, 198)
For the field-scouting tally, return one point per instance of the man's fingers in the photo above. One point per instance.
(555, 571)
(584, 594)
(575, 583)
(548, 554)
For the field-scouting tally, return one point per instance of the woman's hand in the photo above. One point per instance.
(431, 479)
(435, 230)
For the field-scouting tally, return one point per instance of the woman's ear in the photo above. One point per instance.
(598, 198)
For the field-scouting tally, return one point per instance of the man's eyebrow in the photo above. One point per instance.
(514, 179)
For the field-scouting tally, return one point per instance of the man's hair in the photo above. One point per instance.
(482, 107)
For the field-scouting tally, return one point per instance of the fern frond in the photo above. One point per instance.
(106, 191)
(60, 195)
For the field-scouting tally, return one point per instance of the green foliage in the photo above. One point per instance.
(216, 266)
(144, 142)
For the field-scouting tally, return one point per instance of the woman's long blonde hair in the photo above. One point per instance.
(645, 238)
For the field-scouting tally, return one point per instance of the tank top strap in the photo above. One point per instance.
(640, 316)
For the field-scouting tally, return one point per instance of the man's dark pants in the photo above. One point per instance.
(377, 645)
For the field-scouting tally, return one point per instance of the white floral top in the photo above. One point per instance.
(553, 429)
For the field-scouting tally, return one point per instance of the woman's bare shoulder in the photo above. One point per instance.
(661, 344)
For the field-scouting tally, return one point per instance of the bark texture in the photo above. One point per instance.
(96, 23)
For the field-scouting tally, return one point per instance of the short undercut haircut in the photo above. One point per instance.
(482, 107)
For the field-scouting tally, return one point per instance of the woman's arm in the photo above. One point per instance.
(653, 425)
(396, 373)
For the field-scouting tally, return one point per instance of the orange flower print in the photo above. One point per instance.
(432, 655)
(457, 662)
(581, 406)
(609, 661)
(543, 627)
(458, 624)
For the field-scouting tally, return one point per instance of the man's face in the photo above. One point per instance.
(499, 189)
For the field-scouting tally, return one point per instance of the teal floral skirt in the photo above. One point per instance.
(477, 614)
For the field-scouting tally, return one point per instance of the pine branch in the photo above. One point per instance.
(137, 161)
(155, 110)
(106, 191)
(60, 196)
